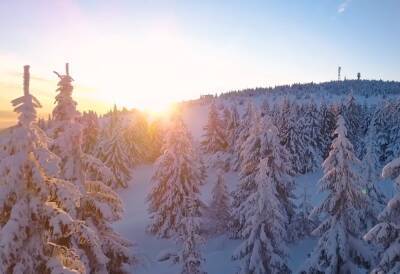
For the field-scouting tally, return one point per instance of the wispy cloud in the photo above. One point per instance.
(343, 6)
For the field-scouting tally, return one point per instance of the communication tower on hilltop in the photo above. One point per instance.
(26, 80)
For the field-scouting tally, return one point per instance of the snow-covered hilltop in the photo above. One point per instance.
(369, 91)
(306, 117)
(366, 88)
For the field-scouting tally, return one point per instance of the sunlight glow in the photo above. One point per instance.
(144, 71)
(147, 67)
(160, 110)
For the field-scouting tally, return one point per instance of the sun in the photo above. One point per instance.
(159, 109)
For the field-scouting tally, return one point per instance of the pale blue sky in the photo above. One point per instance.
(148, 53)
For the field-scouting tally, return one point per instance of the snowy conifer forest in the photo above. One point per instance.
(291, 179)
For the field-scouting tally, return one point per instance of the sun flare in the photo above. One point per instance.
(161, 109)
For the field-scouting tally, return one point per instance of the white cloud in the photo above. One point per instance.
(343, 6)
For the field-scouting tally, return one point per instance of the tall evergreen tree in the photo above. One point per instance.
(254, 149)
(312, 128)
(98, 245)
(387, 124)
(232, 126)
(189, 254)
(66, 132)
(33, 223)
(303, 143)
(189, 235)
(282, 113)
(302, 225)
(214, 139)
(243, 131)
(356, 124)
(177, 179)
(340, 249)
(295, 135)
(137, 139)
(250, 156)
(226, 120)
(231, 122)
(156, 133)
(387, 232)
(370, 170)
(113, 153)
(175, 206)
(220, 206)
(90, 131)
(328, 124)
(265, 108)
(267, 211)
(382, 125)
(395, 129)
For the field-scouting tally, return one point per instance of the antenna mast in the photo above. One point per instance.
(26, 80)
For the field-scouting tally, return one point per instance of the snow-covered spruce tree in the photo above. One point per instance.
(33, 224)
(328, 124)
(267, 210)
(305, 152)
(220, 206)
(387, 125)
(66, 132)
(280, 118)
(136, 139)
(250, 156)
(189, 254)
(226, 120)
(156, 133)
(295, 135)
(243, 131)
(189, 236)
(90, 132)
(387, 232)
(356, 122)
(177, 179)
(382, 126)
(370, 171)
(312, 128)
(113, 153)
(214, 139)
(100, 248)
(255, 149)
(340, 248)
(395, 130)
(201, 166)
(302, 225)
(226, 116)
(232, 123)
(230, 120)
(265, 108)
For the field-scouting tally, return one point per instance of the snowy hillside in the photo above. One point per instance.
(284, 180)
(217, 250)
